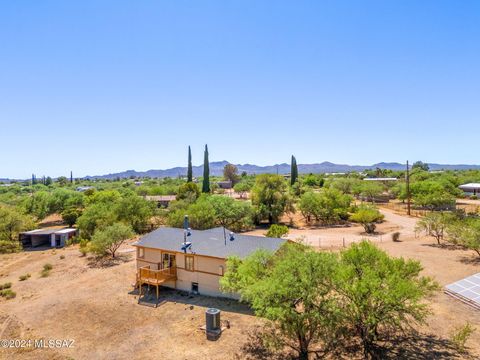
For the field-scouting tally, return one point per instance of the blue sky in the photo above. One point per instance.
(104, 86)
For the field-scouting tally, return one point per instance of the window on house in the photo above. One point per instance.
(141, 252)
(189, 262)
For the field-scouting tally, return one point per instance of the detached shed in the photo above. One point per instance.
(227, 184)
(48, 237)
(163, 201)
(471, 188)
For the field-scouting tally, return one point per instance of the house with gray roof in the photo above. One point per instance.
(193, 260)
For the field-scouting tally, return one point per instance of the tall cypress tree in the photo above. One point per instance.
(71, 177)
(189, 170)
(293, 171)
(206, 172)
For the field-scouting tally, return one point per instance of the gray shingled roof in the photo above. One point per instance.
(209, 242)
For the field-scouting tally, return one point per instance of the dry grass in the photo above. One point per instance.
(93, 303)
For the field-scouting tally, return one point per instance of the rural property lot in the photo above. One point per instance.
(93, 304)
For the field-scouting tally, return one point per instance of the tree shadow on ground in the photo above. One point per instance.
(470, 259)
(98, 262)
(414, 346)
(445, 246)
(255, 349)
(419, 346)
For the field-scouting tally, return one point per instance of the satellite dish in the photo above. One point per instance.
(186, 246)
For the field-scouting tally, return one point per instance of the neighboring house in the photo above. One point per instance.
(49, 237)
(163, 201)
(471, 189)
(381, 179)
(161, 259)
(84, 188)
(227, 184)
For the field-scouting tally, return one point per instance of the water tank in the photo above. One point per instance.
(212, 319)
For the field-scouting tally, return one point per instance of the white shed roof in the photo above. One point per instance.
(381, 179)
(470, 186)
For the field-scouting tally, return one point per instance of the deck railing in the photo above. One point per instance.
(147, 275)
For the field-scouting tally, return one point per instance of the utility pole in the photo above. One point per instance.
(408, 191)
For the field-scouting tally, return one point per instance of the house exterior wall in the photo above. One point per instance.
(207, 271)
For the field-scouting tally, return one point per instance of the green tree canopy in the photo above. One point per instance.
(188, 192)
(13, 222)
(368, 216)
(230, 172)
(135, 211)
(108, 240)
(293, 291)
(270, 197)
(231, 214)
(435, 224)
(96, 216)
(70, 216)
(277, 231)
(329, 205)
(380, 295)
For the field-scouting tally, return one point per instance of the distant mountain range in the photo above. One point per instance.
(216, 169)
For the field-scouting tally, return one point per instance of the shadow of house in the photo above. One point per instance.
(166, 295)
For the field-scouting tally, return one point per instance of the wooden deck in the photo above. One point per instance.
(148, 276)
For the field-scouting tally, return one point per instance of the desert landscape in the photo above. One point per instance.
(94, 303)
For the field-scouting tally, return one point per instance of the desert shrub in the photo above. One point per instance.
(8, 294)
(465, 232)
(474, 197)
(4, 286)
(62, 257)
(188, 192)
(277, 231)
(46, 270)
(396, 236)
(70, 216)
(84, 246)
(8, 247)
(435, 224)
(460, 336)
(368, 216)
(73, 240)
(24, 277)
(12, 222)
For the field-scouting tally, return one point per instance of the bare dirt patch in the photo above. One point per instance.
(95, 306)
